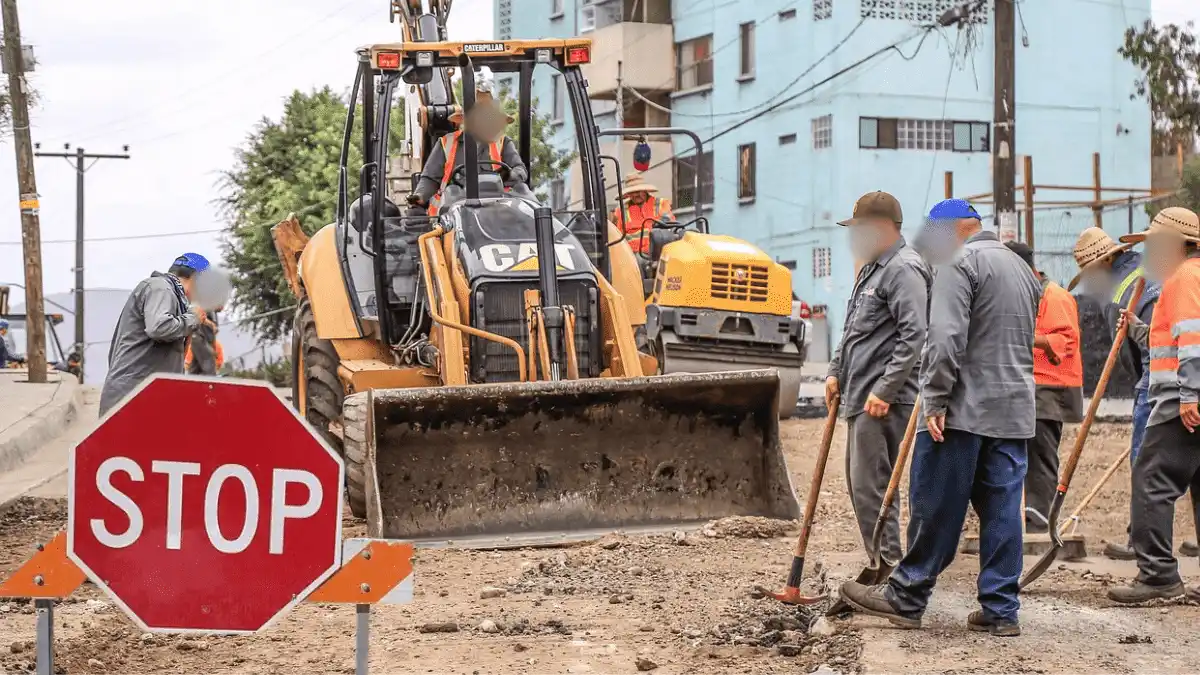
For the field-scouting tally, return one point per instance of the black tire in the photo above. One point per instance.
(316, 361)
(354, 425)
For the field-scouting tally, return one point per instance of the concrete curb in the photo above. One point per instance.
(23, 438)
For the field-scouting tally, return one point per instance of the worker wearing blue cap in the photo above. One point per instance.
(977, 398)
(152, 331)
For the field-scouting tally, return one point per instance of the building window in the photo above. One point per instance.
(822, 9)
(822, 262)
(746, 171)
(587, 19)
(822, 132)
(558, 194)
(787, 15)
(685, 177)
(915, 11)
(558, 95)
(747, 40)
(787, 139)
(787, 264)
(694, 59)
(556, 9)
(912, 134)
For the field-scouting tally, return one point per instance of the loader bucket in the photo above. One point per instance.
(530, 463)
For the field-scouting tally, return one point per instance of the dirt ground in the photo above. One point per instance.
(662, 604)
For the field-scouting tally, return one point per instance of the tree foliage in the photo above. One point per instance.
(548, 161)
(290, 165)
(1169, 58)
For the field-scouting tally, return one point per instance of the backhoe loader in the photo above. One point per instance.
(477, 367)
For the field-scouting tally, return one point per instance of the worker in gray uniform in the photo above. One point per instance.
(874, 369)
(977, 400)
(153, 329)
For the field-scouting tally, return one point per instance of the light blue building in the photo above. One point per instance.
(792, 154)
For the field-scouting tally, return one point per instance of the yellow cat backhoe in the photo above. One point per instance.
(477, 367)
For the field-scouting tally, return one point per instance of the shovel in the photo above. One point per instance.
(880, 569)
(1073, 520)
(1064, 480)
(791, 593)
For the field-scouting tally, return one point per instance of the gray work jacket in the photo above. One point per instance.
(151, 337)
(886, 320)
(977, 366)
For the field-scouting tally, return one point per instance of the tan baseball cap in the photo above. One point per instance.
(875, 205)
(1171, 220)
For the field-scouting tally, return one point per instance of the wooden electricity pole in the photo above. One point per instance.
(1004, 167)
(31, 236)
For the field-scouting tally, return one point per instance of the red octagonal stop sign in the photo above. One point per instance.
(204, 505)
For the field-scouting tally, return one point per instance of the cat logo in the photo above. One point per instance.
(523, 257)
(485, 48)
(739, 275)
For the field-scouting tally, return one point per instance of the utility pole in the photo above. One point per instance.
(81, 157)
(1004, 168)
(620, 112)
(31, 235)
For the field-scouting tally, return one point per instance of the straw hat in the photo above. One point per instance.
(1173, 219)
(634, 182)
(1093, 247)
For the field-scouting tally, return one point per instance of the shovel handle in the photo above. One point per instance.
(889, 496)
(818, 477)
(1112, 468)
(1064, 479)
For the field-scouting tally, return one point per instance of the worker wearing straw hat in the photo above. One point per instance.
(635, 218)
(1108, 271)
(1169, 464)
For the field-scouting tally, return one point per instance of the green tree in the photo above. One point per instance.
(1169, 59)
(548, 162)
(289, 165)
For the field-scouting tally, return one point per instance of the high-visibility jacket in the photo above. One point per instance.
(220, 354)
(634, 219)
(1058, 322)
(1175, 344)
(450, 149)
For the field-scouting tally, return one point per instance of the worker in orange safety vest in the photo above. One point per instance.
(635, 218)
(1169, 463)
(1058, 378)
(486, 124)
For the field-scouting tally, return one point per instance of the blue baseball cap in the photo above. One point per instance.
(3, 323)
(953, 209)
(193, 261)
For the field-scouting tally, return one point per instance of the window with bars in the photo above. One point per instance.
(685, 177)
(693, 60)
(885, 133)
(746, 37)
(822, 9)
(916, 11)
(822, 262)
(822, 132)
(747, 166)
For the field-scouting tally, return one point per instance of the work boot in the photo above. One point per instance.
(1139, 592)
(1189, 549)
(872, 601)
(1115, 551)
(1193, 594)
(998, 627)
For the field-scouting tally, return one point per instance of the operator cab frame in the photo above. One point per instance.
(378, 297)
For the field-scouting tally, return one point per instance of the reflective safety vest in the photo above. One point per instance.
(633, 220)
(1175, 342)
(1126, 284)
(496, 150)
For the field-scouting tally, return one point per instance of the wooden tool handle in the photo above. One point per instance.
(1064, 480)
(818, 477)
(910, 434)
(1096, 489)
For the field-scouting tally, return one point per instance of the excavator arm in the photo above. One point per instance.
(428, 107)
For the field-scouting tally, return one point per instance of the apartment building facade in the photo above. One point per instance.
(799, 132)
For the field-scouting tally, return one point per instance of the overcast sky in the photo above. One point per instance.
(182, 84)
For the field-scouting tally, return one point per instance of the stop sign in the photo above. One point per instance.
(204, 505)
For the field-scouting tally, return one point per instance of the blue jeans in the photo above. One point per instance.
(1141, 415)
(988, 473)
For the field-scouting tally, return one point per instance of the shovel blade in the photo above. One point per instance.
(793, 596)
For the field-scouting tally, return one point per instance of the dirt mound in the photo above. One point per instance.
(25, 523)
(802, 633)
(749, 527)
